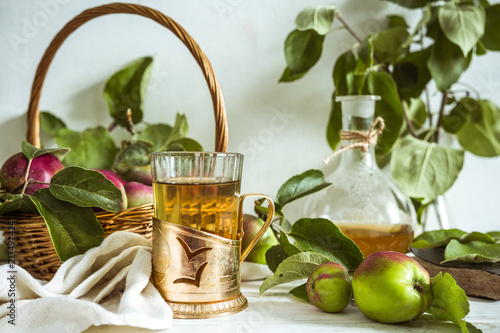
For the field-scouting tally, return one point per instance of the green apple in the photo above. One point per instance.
(329, 287)
(391, 287)
(252, 225)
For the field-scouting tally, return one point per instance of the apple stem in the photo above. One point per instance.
(130, 123)
(419, 288)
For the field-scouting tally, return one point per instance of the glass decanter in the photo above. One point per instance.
(362, 201)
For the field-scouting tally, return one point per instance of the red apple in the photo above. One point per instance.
(118, 183)
(43, 167)
(329, 287)
(138, 194)
(391, 287)
(111, 175)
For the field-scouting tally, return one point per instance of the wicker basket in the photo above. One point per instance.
(34, 250)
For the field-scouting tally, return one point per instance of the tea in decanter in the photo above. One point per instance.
(362, 201)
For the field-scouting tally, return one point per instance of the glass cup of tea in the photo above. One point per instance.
(197, 231)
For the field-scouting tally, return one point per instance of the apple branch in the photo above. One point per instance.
(409, 125)
(112, 126)
(26, 180)
(348, 28)
(358, 39)
(444, 100)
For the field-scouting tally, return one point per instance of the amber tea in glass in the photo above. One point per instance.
(206, 206)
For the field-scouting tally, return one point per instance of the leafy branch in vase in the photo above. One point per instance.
(405, 65)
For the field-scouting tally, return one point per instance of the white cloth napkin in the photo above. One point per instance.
(108, 285)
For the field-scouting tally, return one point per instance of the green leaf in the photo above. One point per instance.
(477, 236)
(135, 154)
(319, 18)
(288, 76)
(94, 148)
(301, 185)
(50, 124)
(354, 73)
(481, 134)
(86, 188)
(296, 267)
(425, 170)
(389, 108)
(475, 251)
(495, 235)
(322, 236)
(433, 29)
(462, 23)
(300, 292)
(157, 134)
(275, 256)
(343, 74)
(302, 50)
(491, 35)
(184, 144)
(18, 203)
(179, 130)
(416, 112)
(73, 230)
(126, 89)
(411, 3)
(289, 248)
(382, 159)
(396, 21)
(419, 208)
(460, 114)
(389, 44)
(436, 238)
(334, 125)
(480, 49)
(471, 328)
(447, 62)
(424, 20)
(485, 3)
(450, 302)
(363, 53)
(411, 73)
(32, 152)
(278, 209)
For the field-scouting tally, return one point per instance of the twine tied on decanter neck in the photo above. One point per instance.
(364, 139)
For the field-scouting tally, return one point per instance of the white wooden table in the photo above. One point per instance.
(277, 311)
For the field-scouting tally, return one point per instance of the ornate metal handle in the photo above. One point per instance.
(260, 233)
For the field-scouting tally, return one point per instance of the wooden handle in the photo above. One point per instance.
(221, 131)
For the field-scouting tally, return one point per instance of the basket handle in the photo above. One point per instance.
(221, 131)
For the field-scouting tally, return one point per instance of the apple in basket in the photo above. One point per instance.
(138, 194)
(13, 172)
(120, 183)
(141, 174)
(133, 193)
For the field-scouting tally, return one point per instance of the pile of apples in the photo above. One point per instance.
(14, 175)
(388, 287)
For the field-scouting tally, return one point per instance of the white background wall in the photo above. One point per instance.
(280, 127)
